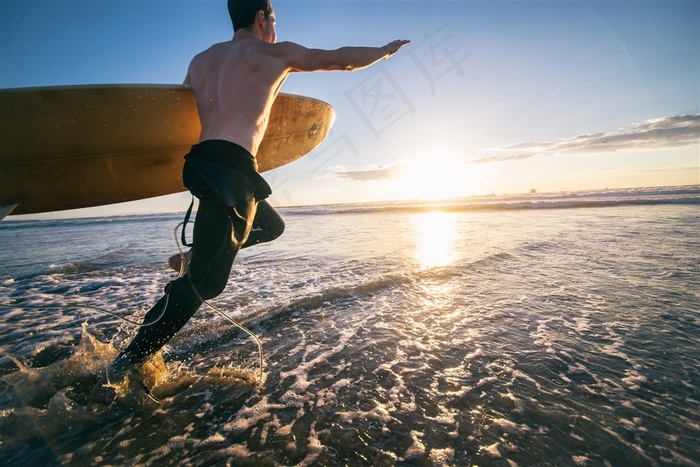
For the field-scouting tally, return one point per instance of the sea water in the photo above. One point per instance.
(539, 329)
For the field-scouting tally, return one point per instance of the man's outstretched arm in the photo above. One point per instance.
(301, 59)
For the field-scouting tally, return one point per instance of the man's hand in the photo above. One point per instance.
(393, 47)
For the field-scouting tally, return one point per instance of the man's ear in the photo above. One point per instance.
(260, 18)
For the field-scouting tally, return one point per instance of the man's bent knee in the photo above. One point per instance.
(207, 289)
(277, 229)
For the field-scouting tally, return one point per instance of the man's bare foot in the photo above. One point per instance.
(175, 261)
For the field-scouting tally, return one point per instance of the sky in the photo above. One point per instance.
(489, 97)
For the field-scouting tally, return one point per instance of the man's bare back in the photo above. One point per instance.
(236, 82)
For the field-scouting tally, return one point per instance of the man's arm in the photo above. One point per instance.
(299, 58)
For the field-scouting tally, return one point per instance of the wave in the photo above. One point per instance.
(349, 293)
(127, 256)
(684, 195)
(330, 296)
(645, 196)
(11, 224)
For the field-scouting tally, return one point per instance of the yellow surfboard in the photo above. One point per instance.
(71, 147)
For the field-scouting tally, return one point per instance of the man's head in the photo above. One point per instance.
(245, 12)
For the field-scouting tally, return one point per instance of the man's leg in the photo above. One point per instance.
(217, 238)
(267, 226)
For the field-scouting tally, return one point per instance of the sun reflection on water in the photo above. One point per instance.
(435, 239)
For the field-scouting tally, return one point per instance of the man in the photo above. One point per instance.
(235, 84)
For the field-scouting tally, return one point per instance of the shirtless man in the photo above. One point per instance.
(235, 84)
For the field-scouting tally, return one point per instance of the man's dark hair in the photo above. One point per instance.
(243, 12)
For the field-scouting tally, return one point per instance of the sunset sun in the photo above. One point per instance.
(435, 177)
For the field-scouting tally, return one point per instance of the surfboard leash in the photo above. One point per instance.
(184, 271)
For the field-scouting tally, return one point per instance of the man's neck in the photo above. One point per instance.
(245, 34)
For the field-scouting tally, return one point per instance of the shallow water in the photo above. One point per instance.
(549, 329)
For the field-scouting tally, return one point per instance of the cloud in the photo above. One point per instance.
(380, 173)
(505, 158)
(658, 133)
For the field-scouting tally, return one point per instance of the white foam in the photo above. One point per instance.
(315, 447)
(492, 450)
(177, 442)
(216, 438)
(416, 449)
(267, 428)
(235, 454)
(250, 416)
(444, 456)
(508, 426)
(633, 379)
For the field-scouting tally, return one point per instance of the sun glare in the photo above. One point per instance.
(435, 239)
(437, 177)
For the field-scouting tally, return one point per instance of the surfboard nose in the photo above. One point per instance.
(6, 210)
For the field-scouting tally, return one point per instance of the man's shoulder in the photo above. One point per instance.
(214, 54)
(251, 43)
(286, 45)
(282, 53)
(205, 53)
(215, 48)
(273, 49)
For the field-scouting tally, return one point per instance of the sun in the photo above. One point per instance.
(437, 176)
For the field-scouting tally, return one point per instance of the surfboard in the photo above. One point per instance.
(69, 147)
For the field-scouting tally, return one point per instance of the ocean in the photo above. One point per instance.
(511, 330)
